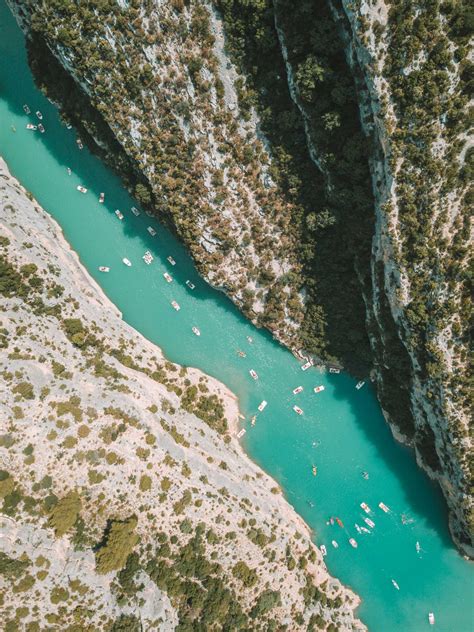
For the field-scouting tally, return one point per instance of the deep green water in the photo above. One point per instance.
(342, 430)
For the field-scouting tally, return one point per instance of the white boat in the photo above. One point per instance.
(26, 109)
(241, 433)
(171, 260)
(168, 277)
(101, 198)
(249, 339)
(353, 543)
(79, 143)
(369, 522)
(32, 127)
(253, 419)
(418, 547)
(335, 544)
(384, 507)
(39, 115)
(151, 230)
(147, 257)
(431, 618)
(333, 370)
(318, 389)
(323, 550)
(135, 211)
(41, 128)
(358, 529)
(262, 406)
(127, 262)
(297, 390)
(395, 584)
(69, 171)
(175, 306)
(359, 385)
(68, 126)
(253, 374)
(306, 366)
(119, 214)
(103, 269)
(365, 475)
(365, 507)
(81, 188)
(190, 285)
(365, 530)
(297, 410)
(196, 331)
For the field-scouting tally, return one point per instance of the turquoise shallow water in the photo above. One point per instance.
(342, 430)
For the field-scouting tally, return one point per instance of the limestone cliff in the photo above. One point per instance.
(127, 503)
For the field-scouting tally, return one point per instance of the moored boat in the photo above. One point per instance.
(196, 331)
(335, 544)
(318, 389)
(241, 433)
(135, 211)
(190, 285)
(365, 507)
(334, 370)
(369, 522)
(147, 257)
(297, 410)
(253, 374)
(384, 507)
(101, 198)
(69, 171)
(104, 268)
(314, 469)
(365, 475)
(395, 584)
(81, 188)
(118, 214)
(297, 390)
(175, 306)
(323, 550)
(306, 366)
(39, 115)
(431, 618)
(168, 277)
(418, 547)
(26, 109)
(79, 143)
(253, 419)
(31, 126)
(340, 523)
(249, 339)
(359, 385)
(353, 543)
(127, 262)
(171, 260)
(41, 128)
(262, 406)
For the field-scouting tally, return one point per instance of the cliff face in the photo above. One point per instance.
(127, 502)
(344, 227)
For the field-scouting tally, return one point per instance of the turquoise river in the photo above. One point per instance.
(342, 430)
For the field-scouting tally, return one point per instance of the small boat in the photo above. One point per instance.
(241, 433)
(168, 277)
(253, 374)
(407, 519)
(395, 584)
(314, 469)
(79, 143)
(147, 257)
(13, 128)
(335, 544)
(249, 339)
(318, 389)
(418, 547)
(196, 331)
(101, 198)
(26, 109)
(365, 475)
(151, 230)
(384, 507)
(323, 550)
(297, 390)
(431, 618)
(353, 543)
(306, 366)
(68, 126)
(330, 521)
(310, 503)
(359, 385)
(340, 523)
(118, 214)
(297, 410)
(364, 530)
(253, 419)
(358, 529)
(39, 115)
(69, 171)
(31, 126)
(369, 522)
(103, 269)
(41, 128)
(171, 260)
(190, 285)
(127, 262)
(175, 306)
(365, 507)
(333, 370)
(81, 188)
(241, 354)
(262, 405)
(135, 211)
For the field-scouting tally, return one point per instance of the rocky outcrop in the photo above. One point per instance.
(127, 501)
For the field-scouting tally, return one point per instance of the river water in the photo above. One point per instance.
(342, 430)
